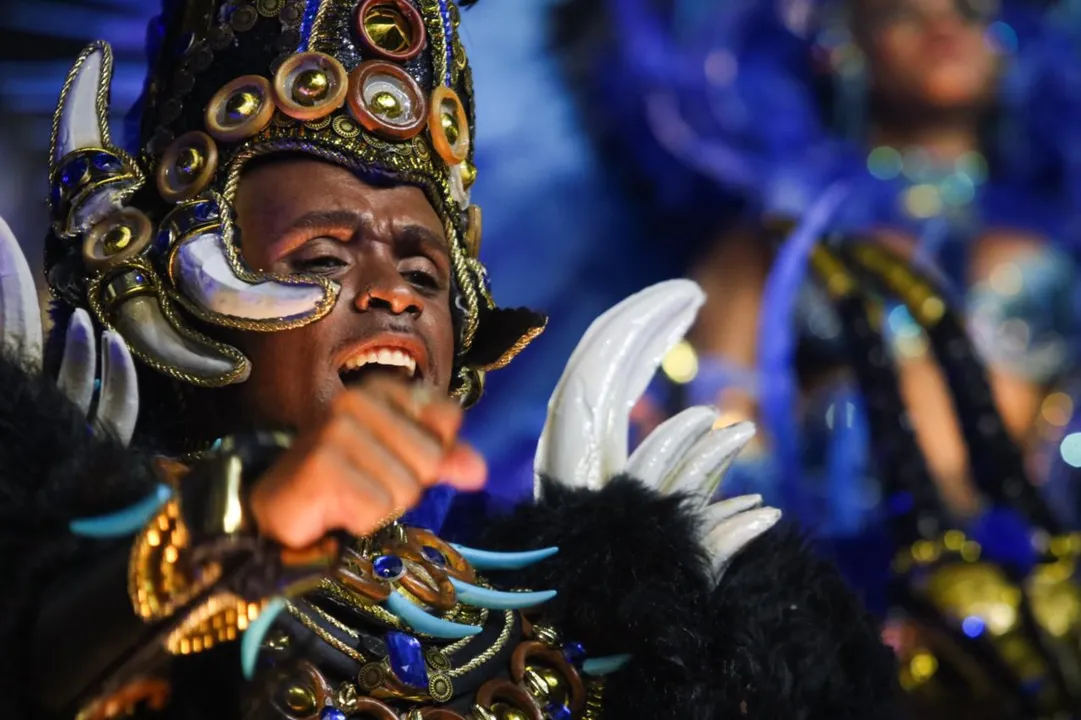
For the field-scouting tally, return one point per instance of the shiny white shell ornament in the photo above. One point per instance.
(584, 442)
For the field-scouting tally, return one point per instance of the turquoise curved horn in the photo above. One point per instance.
(425, 623)
(252, 640)
(604, 665)
(123, 523)
(485, 560)
(496, 600)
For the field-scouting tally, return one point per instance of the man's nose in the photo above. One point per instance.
(388, 290)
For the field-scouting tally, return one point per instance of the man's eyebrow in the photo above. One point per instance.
(293, 235)
(421, 237)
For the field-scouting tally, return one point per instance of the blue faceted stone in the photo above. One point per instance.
(388, 566)
(556, 711)
(407, 659)
(140, 278)
(164, 240)
(331, 713)
(435, 557)
(574, 653)
(205, 211)
(106, 163)
(74, 172)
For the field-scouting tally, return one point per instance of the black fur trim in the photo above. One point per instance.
(52, 470)
(781, 637)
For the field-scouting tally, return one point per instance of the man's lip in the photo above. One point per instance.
(386, 341)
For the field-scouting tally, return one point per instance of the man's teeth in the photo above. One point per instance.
(393, 358)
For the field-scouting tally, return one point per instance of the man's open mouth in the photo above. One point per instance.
(394, 362)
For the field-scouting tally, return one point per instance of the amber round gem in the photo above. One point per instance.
(311, 86)
(386, 27)
(300, 699)
(450, 127)
(188, 163)
(117, 239)
(386, 104)
(242, 106)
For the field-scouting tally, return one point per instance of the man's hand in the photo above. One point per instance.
(369, 461)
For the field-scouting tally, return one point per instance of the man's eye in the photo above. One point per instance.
(422, 279)
(318, 265)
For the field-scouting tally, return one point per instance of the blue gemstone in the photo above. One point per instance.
(140, 278)
(74, 172)
(107, 163)
(205, 211)
(574, 653)
(164, 240)
(388, 567)
(407, 659)
(434, 556)
(331, 713)
(555, 711)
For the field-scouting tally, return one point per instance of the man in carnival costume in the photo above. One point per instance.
(292, 246)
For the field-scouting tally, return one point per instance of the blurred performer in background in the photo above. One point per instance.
(926, 133)
(224, 513)
(949, 127)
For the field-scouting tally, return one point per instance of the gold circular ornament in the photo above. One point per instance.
(116, 239)
(449, 125)
(269, 8)
(346, 127)
(440, 688)
(474, 225)
(391, 29)
(187, 167)
(386, 100)
(310, 85)
(370, 677)
(241, 108)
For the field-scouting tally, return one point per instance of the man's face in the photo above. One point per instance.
(387, 250)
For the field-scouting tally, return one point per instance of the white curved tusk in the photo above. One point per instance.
(726, 540)
(20, 315)
(664, 449)
(144, 326)
(713, 515)
(584, 441)
(118, 403)
(206, 278)
(80, 362)
(83, 105)
(707, 461)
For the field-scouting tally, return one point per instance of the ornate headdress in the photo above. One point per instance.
(147, 239)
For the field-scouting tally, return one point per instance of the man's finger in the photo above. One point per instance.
(463, 468)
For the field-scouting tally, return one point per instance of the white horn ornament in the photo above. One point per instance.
(20, 315)
(584, 441)
(205, 277)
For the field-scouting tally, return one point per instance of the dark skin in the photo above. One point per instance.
(366, 452)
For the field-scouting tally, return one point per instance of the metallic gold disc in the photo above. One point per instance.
(187, 167)
(240, 109)
(386, 100)
(448, 125)
(116, 239)
(391, 29)
(474, 225)
(469, 174)
(310, 85)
